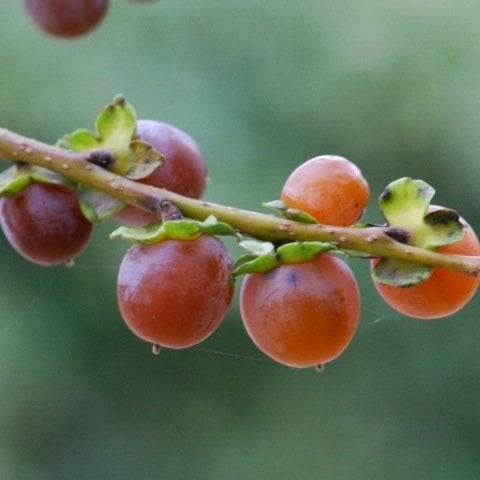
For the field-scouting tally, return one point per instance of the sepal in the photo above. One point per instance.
(262, 256)
(184, 229)
(14, 179)
(289, 213)
(97, 206)
(400, 273)
(405, 205)
(144, 162)
(115, 132)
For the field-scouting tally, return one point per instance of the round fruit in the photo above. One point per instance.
(330, 188)
(44, 223)
(183, 171)
(175, 293)
(443, 293)
(66, 18)
(304, 314)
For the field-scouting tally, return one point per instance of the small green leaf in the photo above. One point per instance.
(405, 205)
(405, 202)
(297, 252)
(133, 234)
(290, 213)
(12, 181)
(178, 229)
(255, 264)
(445, 227)
(118, 119)
(257, 247)
(212, 226)
(145, 160)
(184, 229)
(97, 206)
(15, 179)
(43, 175)
(115, 129)
(79, 141)
(400, 273)
(262, 256)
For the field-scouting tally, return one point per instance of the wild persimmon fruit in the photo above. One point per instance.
(183, 171)
(44, 223)
(175, 293)
(442, 294)
(303, 314)
(330, 188)
(66, 18)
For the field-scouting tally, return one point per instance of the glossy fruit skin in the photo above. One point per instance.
(304, 314)
(44, 224)
(183, 171)
(175, 293)
(66, 18)
(330, 188)
(444, 293)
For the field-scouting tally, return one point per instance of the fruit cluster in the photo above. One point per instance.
(299, 300)
(67, 18)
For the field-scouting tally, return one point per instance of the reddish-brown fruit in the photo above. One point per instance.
(304, 314)
(330, 188)
(444, 293)
(44, 223)
(66, 18)
(175, 293)
(183, 171)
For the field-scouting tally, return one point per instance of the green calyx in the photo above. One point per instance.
(263, 256)
(115, 131)
(14, 179)
(289, 213)
(115, 147)
(97, 206)
(183, 229)
(405, 205)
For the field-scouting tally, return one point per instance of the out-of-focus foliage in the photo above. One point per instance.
(262, 85)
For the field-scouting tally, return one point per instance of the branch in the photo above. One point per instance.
(82, 168)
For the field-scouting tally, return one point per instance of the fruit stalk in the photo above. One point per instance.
(82, 168)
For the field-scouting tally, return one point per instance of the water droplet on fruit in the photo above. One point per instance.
(320, 368)
(156, 349)
(70, 263)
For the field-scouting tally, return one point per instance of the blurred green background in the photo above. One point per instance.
(262, 86)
